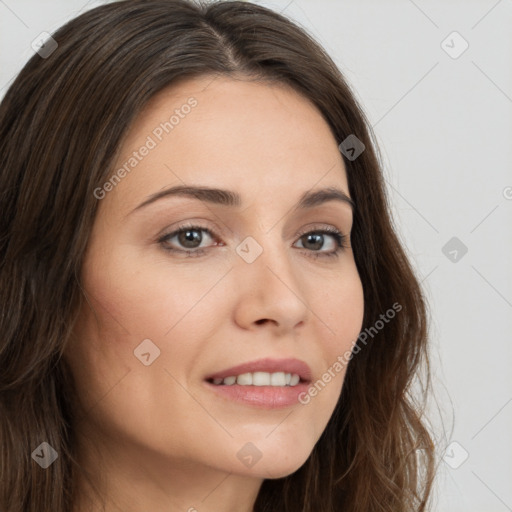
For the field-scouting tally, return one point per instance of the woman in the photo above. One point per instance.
(205, 306)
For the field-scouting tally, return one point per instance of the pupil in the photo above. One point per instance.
(189, 237)
(319, 240)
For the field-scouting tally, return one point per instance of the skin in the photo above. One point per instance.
(154, 437)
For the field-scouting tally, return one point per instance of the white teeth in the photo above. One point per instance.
(245, 379)
(261, 379)
(277, 379)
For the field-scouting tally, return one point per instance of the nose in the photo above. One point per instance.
(269, 292)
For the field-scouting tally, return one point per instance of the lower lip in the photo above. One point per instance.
(265, 397)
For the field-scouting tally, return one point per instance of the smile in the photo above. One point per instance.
(265, 383)
(278, 379)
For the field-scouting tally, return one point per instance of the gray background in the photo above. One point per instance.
(444, 127)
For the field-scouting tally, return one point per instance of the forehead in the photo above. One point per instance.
(261, 139)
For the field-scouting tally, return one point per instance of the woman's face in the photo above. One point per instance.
(254, 282)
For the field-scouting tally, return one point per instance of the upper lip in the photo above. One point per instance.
(267, 365)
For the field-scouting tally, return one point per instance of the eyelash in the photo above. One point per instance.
(339, 237)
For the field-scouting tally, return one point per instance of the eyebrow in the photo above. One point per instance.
(229, 198)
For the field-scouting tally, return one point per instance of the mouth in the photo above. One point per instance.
(276, 379)
(264, 372)
(265, 383)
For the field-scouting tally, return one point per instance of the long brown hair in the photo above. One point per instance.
(62, 122)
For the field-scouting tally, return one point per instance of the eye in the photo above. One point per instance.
(315, 240)
(189, 238)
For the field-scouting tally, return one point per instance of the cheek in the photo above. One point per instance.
(343, 307)
(146, 299)
(131, 300)
(340, 311)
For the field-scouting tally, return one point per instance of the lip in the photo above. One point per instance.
(269, 365)
(263, 397)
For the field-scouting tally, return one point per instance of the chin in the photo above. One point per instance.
(276, 465)
(274, 471)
